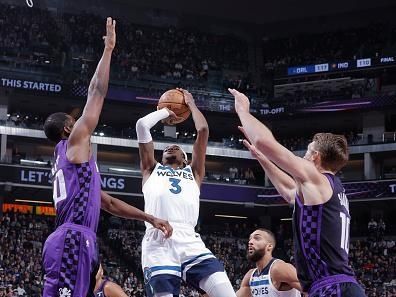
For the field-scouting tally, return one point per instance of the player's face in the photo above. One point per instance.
(172, 154)
(257, 246)
(69, 124)
(311, 153)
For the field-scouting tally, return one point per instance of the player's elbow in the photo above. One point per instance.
(143, 131)
(97, 89)
(204, 130)
(106, 202)
(97, 93)
(263, 145)
(140, 124)
(105, 205)
(90, 119)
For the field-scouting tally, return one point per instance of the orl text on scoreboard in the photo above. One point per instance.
(341, 65)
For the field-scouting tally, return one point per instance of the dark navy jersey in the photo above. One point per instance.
(321, 236)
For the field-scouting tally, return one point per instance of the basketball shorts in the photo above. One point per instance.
(337, 286)
(166, 262)
(340, 290)
(70, 262)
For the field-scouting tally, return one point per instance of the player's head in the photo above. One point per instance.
(328, 151)
(174, 154)
(261, 242)
(58, 126)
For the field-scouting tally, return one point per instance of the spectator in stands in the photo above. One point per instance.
(381, 228)
(20, 269)
(233, 172)
(249, 176)
(372, 227)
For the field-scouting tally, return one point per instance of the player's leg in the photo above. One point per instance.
(161, 285)
(161, 266)
(95, 266)
(217, 285)
(351, 289)
(339, 290)
(52, 254)
(204, 271)
(68, 259)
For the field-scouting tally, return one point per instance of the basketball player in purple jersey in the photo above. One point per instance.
(70, 257)
(321, 209)
(106, 288)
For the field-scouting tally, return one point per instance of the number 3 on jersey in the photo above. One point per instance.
(176, 189)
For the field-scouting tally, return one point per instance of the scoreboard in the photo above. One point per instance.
(341, 65)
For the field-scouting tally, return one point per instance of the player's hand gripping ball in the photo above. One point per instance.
(174, 101)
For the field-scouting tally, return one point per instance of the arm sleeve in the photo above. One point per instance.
(143, 125)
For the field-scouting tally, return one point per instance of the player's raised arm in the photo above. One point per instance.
(78, 147)
(199, 148)
(244, 290)
(261, 137)
(283, 183)
(146, 145)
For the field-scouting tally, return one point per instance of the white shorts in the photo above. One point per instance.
(183, 256)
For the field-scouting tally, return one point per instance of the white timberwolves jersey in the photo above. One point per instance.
(172, 195)
(261, 284)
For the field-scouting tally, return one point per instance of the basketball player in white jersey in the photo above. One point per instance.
(271, 277)
(171, 190)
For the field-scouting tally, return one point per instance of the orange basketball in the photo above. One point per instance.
(174, 100)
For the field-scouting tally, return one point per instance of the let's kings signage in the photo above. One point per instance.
(132, 185)
(42, 177)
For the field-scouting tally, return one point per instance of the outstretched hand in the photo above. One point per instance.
(242, 103)
(110, 38)
(188, 97)
(164, 226)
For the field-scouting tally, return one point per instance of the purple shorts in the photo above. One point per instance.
(70, 262)
(336, 286)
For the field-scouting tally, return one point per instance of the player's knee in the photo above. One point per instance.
(217, 285)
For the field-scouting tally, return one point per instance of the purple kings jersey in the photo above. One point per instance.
(321, 237)
(76, 190)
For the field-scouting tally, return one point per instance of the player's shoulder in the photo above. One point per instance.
(112, 289)
(279, 267)
(249, 274)
(277, 264)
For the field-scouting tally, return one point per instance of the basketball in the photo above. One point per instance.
(174, 100)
